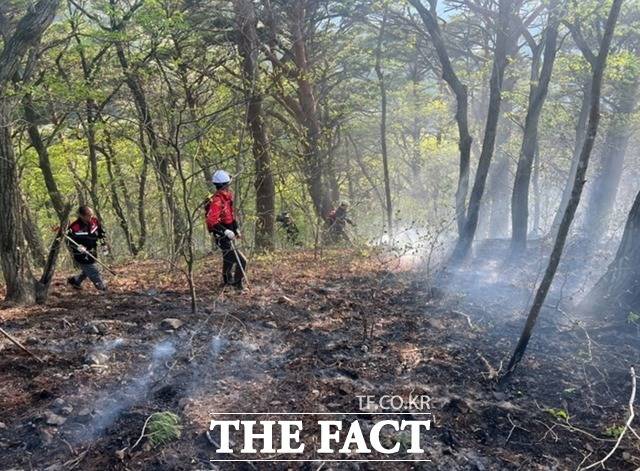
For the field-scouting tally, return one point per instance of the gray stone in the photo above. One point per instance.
(96, 328)
(54, 419)
(96, 358)
(171, 323)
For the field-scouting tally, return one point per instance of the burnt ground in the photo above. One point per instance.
(312, 333)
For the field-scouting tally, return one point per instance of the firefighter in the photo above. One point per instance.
(85, 232)
(222, 223)
(289, 226)
(338, 220)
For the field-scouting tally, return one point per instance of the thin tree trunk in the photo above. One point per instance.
(581, 129)
(537, 97)
(576, 192)
(42, 286)
(383, 125)
(32, 236)
(93, 155)
(43, 155)
(459, 90)
(495, 99)
(142, 188)
(160, 161)
(536, 192)
(308, 107)
(109, 158)
(365, 171)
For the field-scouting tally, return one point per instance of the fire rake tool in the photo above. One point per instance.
(84, 250)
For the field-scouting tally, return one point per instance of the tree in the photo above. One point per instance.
(383, 123)
(503, 35)
(248, 47)
(539, 85)
(21, 286)
(294, 65)
(576, 192)
(618, 290)
(604, 186)
(430, 20)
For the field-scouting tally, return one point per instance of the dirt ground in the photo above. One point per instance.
(313, 332)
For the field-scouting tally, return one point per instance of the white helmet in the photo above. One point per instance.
(220, 177)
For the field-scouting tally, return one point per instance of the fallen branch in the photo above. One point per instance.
(626, 425)
(144, 428)
(20, 346)
(491, 371)
(458, 313)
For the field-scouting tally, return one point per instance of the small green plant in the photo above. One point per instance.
(163, 428)
(614, 431)
(560, 414)
(633, 318)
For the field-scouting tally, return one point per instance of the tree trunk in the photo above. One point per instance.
(604, 186)
(160, 161)
(496, 203)
(43, 155)
(42, 286)
(537, 97)
(462, 108)
(13, 254)
(308, 108)
(109, 158)
(535, 183)
(383, 125)
(581, 129)
(142, 188)
(32, 236)
(495, 99)
(264, 182)
(13, 249)
(576, 192)
(618, 291)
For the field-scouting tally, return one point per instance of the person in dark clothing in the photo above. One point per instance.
(289, 226)
(86, 231)
(338, 220)
(222, 223)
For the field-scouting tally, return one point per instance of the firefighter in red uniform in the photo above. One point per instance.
(222, 223)
(85, 232)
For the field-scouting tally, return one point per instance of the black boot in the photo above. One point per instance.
(238, 285)
(74, 282)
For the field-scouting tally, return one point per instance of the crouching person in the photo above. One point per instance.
(222, 223)
(84, 234)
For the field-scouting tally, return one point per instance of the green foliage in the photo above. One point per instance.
(184, 57)
(614, 431)
(163, 428)
(560, 414)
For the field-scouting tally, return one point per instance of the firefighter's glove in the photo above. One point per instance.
(229, 234)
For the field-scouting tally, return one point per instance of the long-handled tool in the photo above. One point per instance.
(20, 346)
(86, 251)
(235, 252)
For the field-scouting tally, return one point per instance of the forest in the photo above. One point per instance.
(319, 234)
